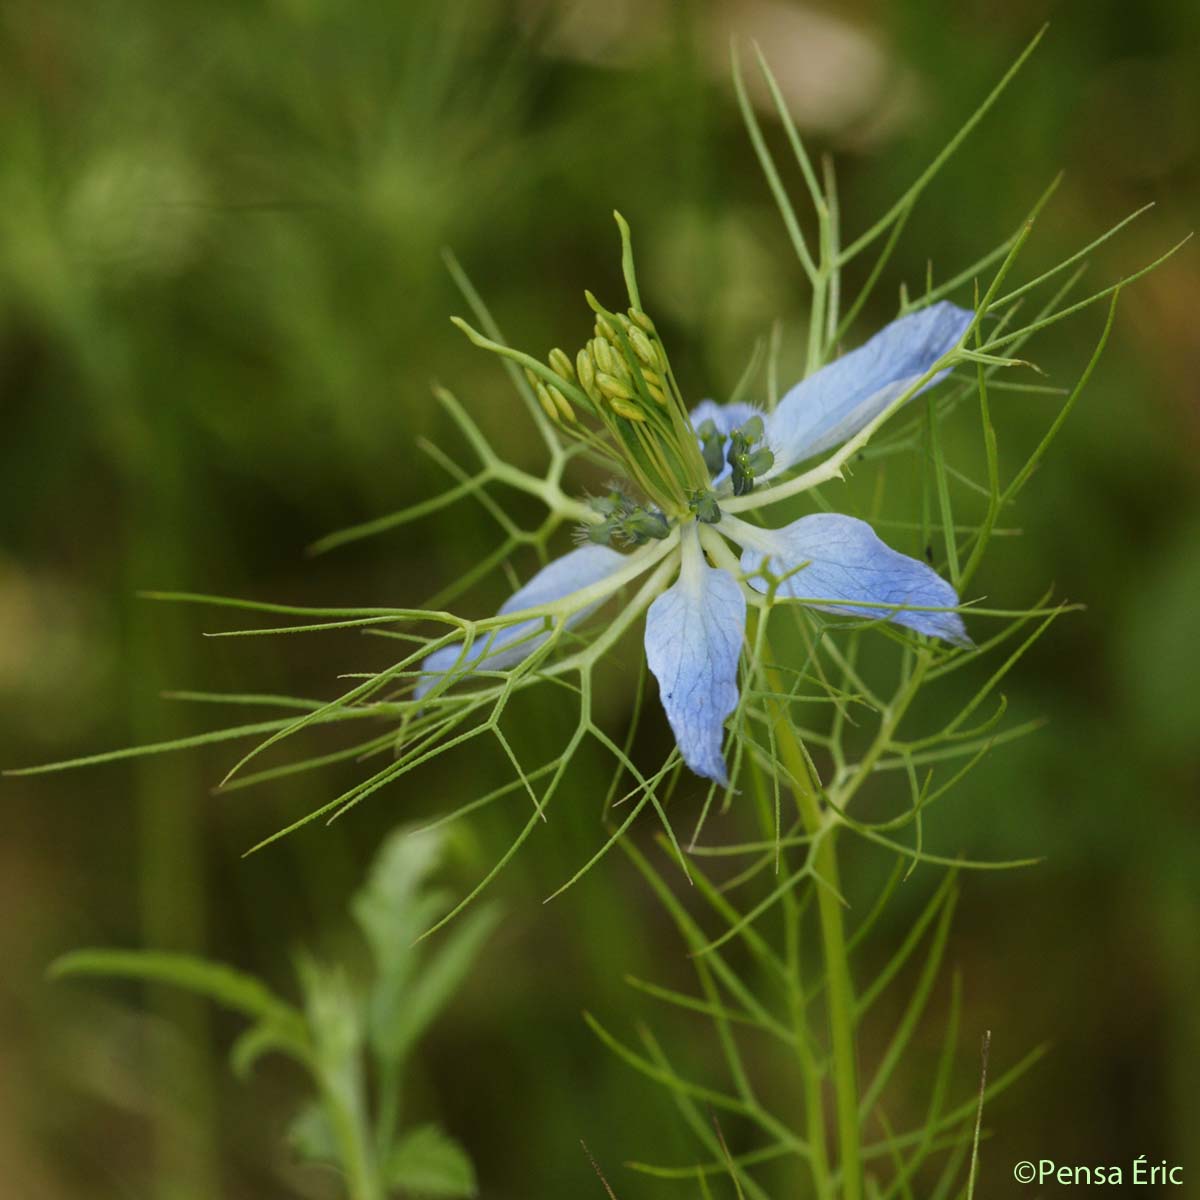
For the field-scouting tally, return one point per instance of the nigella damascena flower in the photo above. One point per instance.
(693, 471)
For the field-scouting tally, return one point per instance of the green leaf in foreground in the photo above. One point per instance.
(426, 1162)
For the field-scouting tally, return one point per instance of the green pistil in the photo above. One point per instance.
(748, 463)
(712, 447)
(704, 504)
(624, 521)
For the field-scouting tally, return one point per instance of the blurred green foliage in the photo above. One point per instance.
(352, 1040)
(221, 306)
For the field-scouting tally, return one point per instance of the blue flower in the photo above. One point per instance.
(508, 645)
(695, 627)
(831, 406)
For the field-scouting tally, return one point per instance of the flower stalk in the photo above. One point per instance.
(839, 985)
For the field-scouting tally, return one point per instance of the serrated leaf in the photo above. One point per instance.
(427, 1162)
(392, 908)
(335, 1022)
(334, 1015)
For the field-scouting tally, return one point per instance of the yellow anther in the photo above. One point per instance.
(603, 353)
(565, 411)
(587, 372)
(643, 347)
(640, 318)
(629, 411)
(561, 365)
(659, 395)
(613, 388)
(543, 395)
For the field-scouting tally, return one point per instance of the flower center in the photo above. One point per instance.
(623, 379)
(742, 451)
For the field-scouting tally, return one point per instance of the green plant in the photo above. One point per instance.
(826, 722)
(352, 1041)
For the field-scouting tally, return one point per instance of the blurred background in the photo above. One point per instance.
(222, 304)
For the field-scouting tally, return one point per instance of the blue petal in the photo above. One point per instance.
(508, 645)
(694, 636)
(831, 406)
(829, 557)
(726, 417)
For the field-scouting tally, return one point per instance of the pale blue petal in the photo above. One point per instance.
(726, 417)
(832, 405)
(507, 646)
(828, 557)
(694, 636)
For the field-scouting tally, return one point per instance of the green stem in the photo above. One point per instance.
(347, 1118)
(389, 1108)
(810, 1069)
(840, 988)
(812, 1097)
(840, 999)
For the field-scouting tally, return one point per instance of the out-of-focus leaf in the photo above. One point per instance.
(391, 907)
(394, 909)
(334, 1015)
(311, 1136)
(426, 1162)
(266, 1037)
(230, 988)
(400, 1017)
(335, 1024)
(277, 1027)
